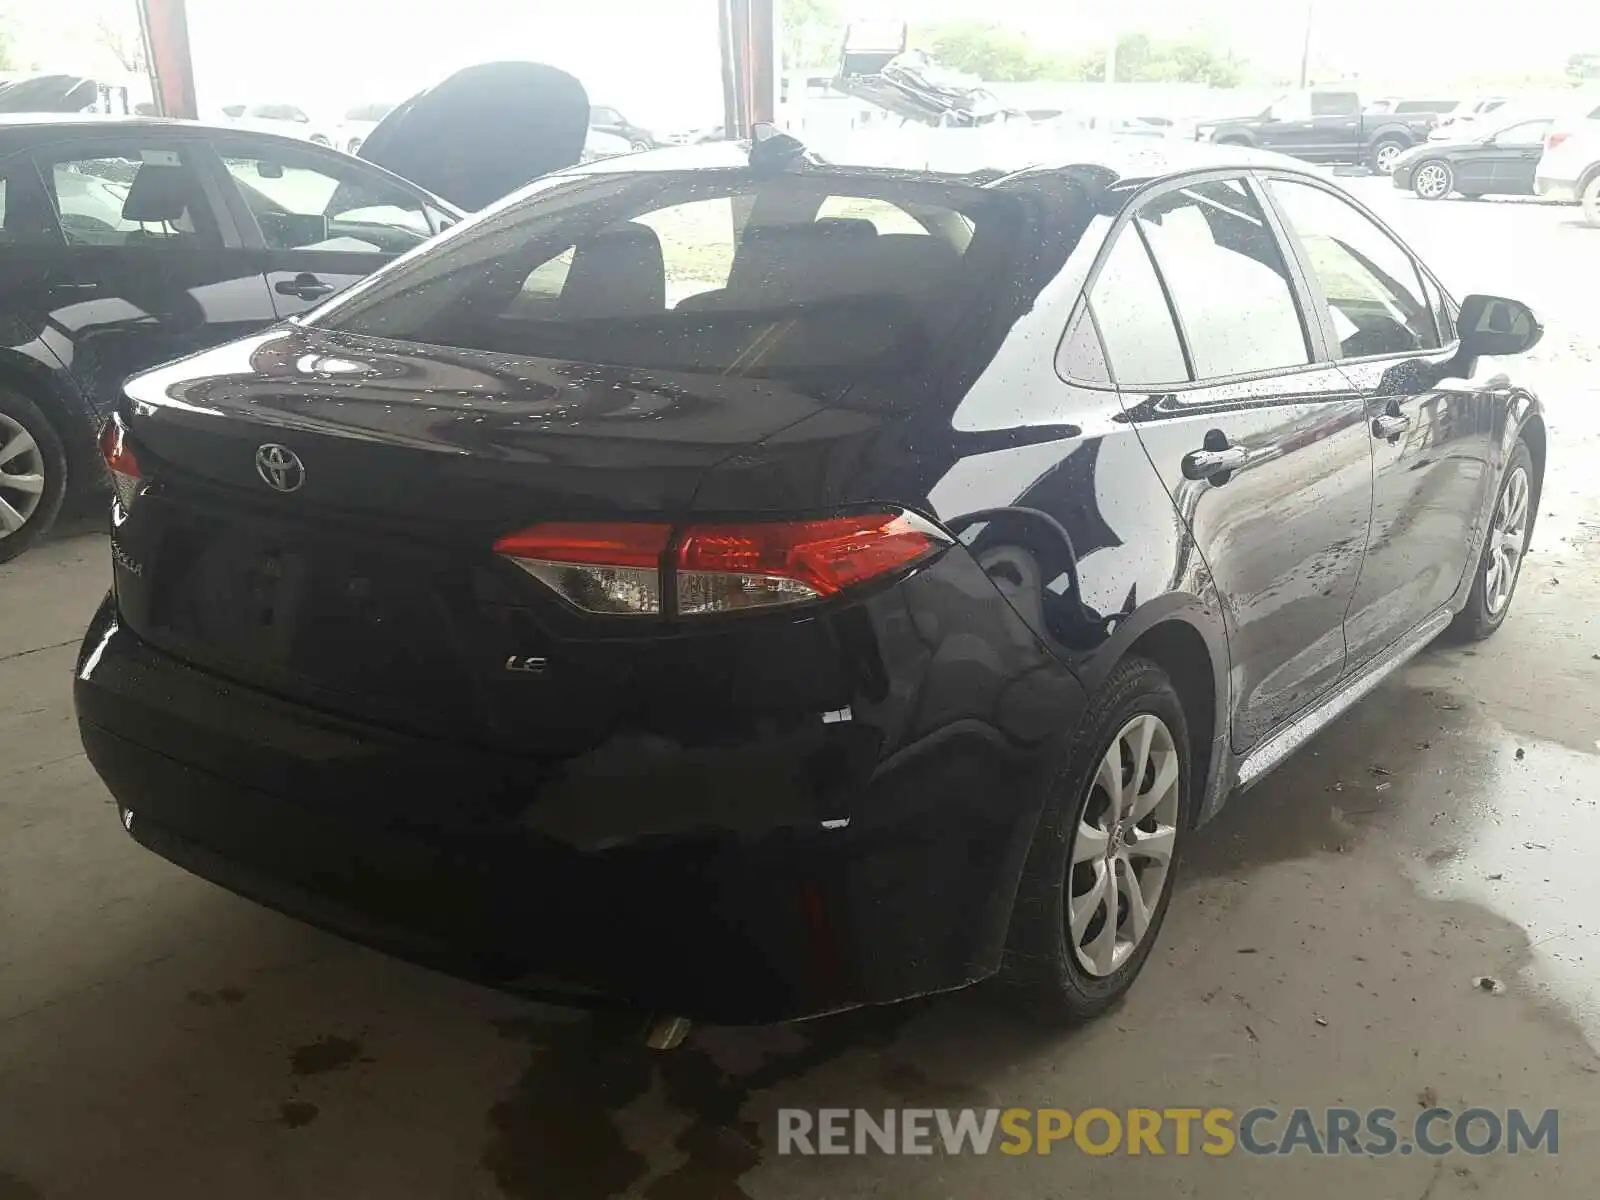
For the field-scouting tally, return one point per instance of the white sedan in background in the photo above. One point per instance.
(604, 145)
(287, 119)
(359, 122)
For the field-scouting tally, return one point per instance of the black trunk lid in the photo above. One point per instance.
(363, 580)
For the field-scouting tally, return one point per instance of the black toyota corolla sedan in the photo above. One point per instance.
(744, 588)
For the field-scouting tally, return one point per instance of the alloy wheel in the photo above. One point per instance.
(1432, 181)
(1508, 539)
(21, 476)
(1591, 202)
(1384, 159)
(1123, 846)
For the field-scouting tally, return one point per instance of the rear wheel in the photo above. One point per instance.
(1433, 180)
(1591, 201)
(1385, 153)
(1500, 565)
(354, 147)
(1100, 871)
(33, 474)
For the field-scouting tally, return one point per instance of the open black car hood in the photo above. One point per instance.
(484, 132)
(49, 94)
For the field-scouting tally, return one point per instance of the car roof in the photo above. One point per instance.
(20, 129)
(1129, 159)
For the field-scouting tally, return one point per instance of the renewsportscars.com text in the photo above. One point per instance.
(1260, 1131)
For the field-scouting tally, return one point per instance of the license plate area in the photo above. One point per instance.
(298, 611)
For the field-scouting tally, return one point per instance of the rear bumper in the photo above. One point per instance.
(732, 888)
(1563, 191)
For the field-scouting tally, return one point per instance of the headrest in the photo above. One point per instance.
(158, 193)
(857, 226)
(618, 272)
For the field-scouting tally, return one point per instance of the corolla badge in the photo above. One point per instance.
(280, 468)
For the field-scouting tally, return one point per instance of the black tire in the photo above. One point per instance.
(639, 146)
(1476, 622)
(1375, 158)
(1041, 971)
(354, 147)
(48, 455)
(318, 140)
(1420, 179)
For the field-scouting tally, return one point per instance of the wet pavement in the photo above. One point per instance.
(159, 1037)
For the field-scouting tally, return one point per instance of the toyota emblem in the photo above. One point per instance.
(280, 468)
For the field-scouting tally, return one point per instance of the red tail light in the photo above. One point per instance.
(1553, 140)
(120, 459)
(724, 568)
(618, 568)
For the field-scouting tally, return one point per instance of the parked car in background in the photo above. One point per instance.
(599, 144)
(287, 119)
(1324, 126)
(360, 121)
(1486, 157)
(1400, 106)
(607, 120)
(1569, 168)
(137, 241)
(590, 602)
(1467, 112)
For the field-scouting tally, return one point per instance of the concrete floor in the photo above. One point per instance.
(161, 1038)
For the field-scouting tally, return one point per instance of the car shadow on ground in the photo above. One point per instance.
(560, 1130)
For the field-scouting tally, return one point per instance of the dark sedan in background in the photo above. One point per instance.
(126, 242)
(1499, 161)
(752, 618)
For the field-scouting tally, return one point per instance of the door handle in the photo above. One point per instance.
(307, 287)
(1217, 461)
(1391, 424)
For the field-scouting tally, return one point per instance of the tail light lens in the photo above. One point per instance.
(619, 568)
(726, 568)
(600, 568)
(120, 460)
(1553, 140)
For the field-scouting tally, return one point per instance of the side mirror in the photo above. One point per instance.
(1493, 325)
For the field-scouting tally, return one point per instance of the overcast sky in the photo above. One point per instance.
(658, 58)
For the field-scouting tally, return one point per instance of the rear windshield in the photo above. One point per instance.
(705, 271)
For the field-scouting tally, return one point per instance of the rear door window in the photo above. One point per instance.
(1227, 278)
(138, 193)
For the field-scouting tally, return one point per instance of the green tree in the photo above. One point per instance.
(8, 43)
(988, 51)
(1142, 58)
(810, 33)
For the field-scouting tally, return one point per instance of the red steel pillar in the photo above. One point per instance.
(749, 63)
(165, 25)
